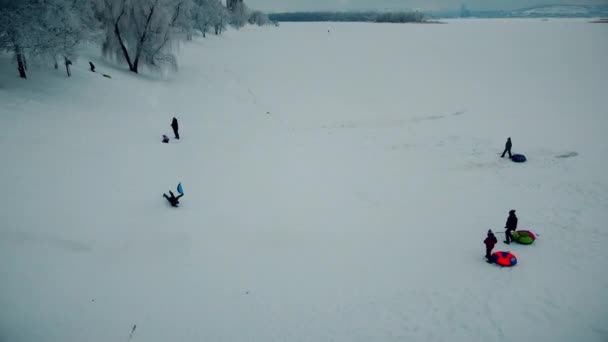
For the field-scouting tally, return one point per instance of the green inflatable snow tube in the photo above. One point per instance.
(523, 236)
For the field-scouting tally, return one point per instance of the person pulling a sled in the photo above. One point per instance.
(511, 226)
(508, 146)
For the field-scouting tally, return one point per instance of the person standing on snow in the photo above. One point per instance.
(508, 145)
(511, 226)
(490, 242)
(175, 128)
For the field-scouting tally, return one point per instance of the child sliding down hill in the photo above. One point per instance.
(173, 200)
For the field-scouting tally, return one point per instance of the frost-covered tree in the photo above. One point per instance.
(202, 16)
(34, 28)
(67, 24)
(20, 31)
(239, 14)
(209, 14)
(231, 4)
(140, 31)
(258, 18)
(182, 24)
(222, 18)
(137, 32)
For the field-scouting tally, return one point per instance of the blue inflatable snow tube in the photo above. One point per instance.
(518, 158)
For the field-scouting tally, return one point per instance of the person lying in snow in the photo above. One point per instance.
(174, 201)
(490, 242)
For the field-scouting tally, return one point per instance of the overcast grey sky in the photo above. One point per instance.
(424, 5)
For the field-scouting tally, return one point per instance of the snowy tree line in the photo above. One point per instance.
(370, 16)
(133, 32)
(400, 17)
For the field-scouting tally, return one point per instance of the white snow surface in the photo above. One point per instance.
(338, 187)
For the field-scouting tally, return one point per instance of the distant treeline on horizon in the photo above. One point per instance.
(370, 17)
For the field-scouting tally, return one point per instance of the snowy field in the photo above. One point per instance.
(338, 187)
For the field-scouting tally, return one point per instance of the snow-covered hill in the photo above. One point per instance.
(556, 11)
(545, 11)
(562, 11)
(339, 180)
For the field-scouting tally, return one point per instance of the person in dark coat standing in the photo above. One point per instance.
(175, 128)
(511, 226)
(490, 242)
(508, 146)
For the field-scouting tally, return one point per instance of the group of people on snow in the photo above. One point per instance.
(491, 240)
(173, 200)
(511, 224)
(175, 127)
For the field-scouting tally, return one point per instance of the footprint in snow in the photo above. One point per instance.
(567, 155)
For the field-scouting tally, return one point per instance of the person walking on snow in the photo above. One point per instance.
(175, 128)
(174, 201)
(490, 242)
(507, 148)
(511, 226)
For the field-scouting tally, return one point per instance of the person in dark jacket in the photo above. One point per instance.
(511, 226)
(508, 146)
(175, 128)
(174, 201)
(165, 139)
(490, 242)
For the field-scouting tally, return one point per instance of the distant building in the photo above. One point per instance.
(464, 11)
(232, 4)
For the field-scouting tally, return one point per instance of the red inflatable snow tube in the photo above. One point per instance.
(504, 258)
